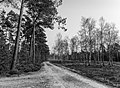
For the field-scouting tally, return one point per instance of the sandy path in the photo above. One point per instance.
(50, 76)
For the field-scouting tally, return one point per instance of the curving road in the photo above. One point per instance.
(50, 76)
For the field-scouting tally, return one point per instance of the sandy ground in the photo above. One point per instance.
(50, 76)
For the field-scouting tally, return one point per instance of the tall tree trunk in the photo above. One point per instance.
(90, 57)
(98, 56)
(34, 44)
(87, 58)
(84, 59)
(98, 53)
(15, 54)
(39, 57)
(109, 50)
(117, 56)
(102, 47)
(31, 48)
(94, 55)
(90, 46)
(110, 58)
(102, 57)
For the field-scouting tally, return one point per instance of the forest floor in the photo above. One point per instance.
(50, 76)
(110, 75)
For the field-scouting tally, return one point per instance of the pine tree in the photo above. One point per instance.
(44, 14)
(41, 46)
(4, 54)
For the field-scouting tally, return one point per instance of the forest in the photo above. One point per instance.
(93, 52)
(22, 34)
(93, 43)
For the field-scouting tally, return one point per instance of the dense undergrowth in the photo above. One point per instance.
(22, 69)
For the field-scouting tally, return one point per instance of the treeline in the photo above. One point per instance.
(8, 27)
(94, 43)
(22, 36)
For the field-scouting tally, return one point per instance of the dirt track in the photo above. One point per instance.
(50, 76)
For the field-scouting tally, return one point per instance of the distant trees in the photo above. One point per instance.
(102, 41)
(58, 48)
(66, 47)
(88, 25)
(74, 47)
(111, 38)
(94, 44)
(96, 39)
(61, 47)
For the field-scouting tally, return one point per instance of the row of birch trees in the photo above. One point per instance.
(93, 43)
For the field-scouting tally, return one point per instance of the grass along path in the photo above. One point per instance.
(109, 75)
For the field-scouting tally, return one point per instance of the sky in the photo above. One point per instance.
(73, 10)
